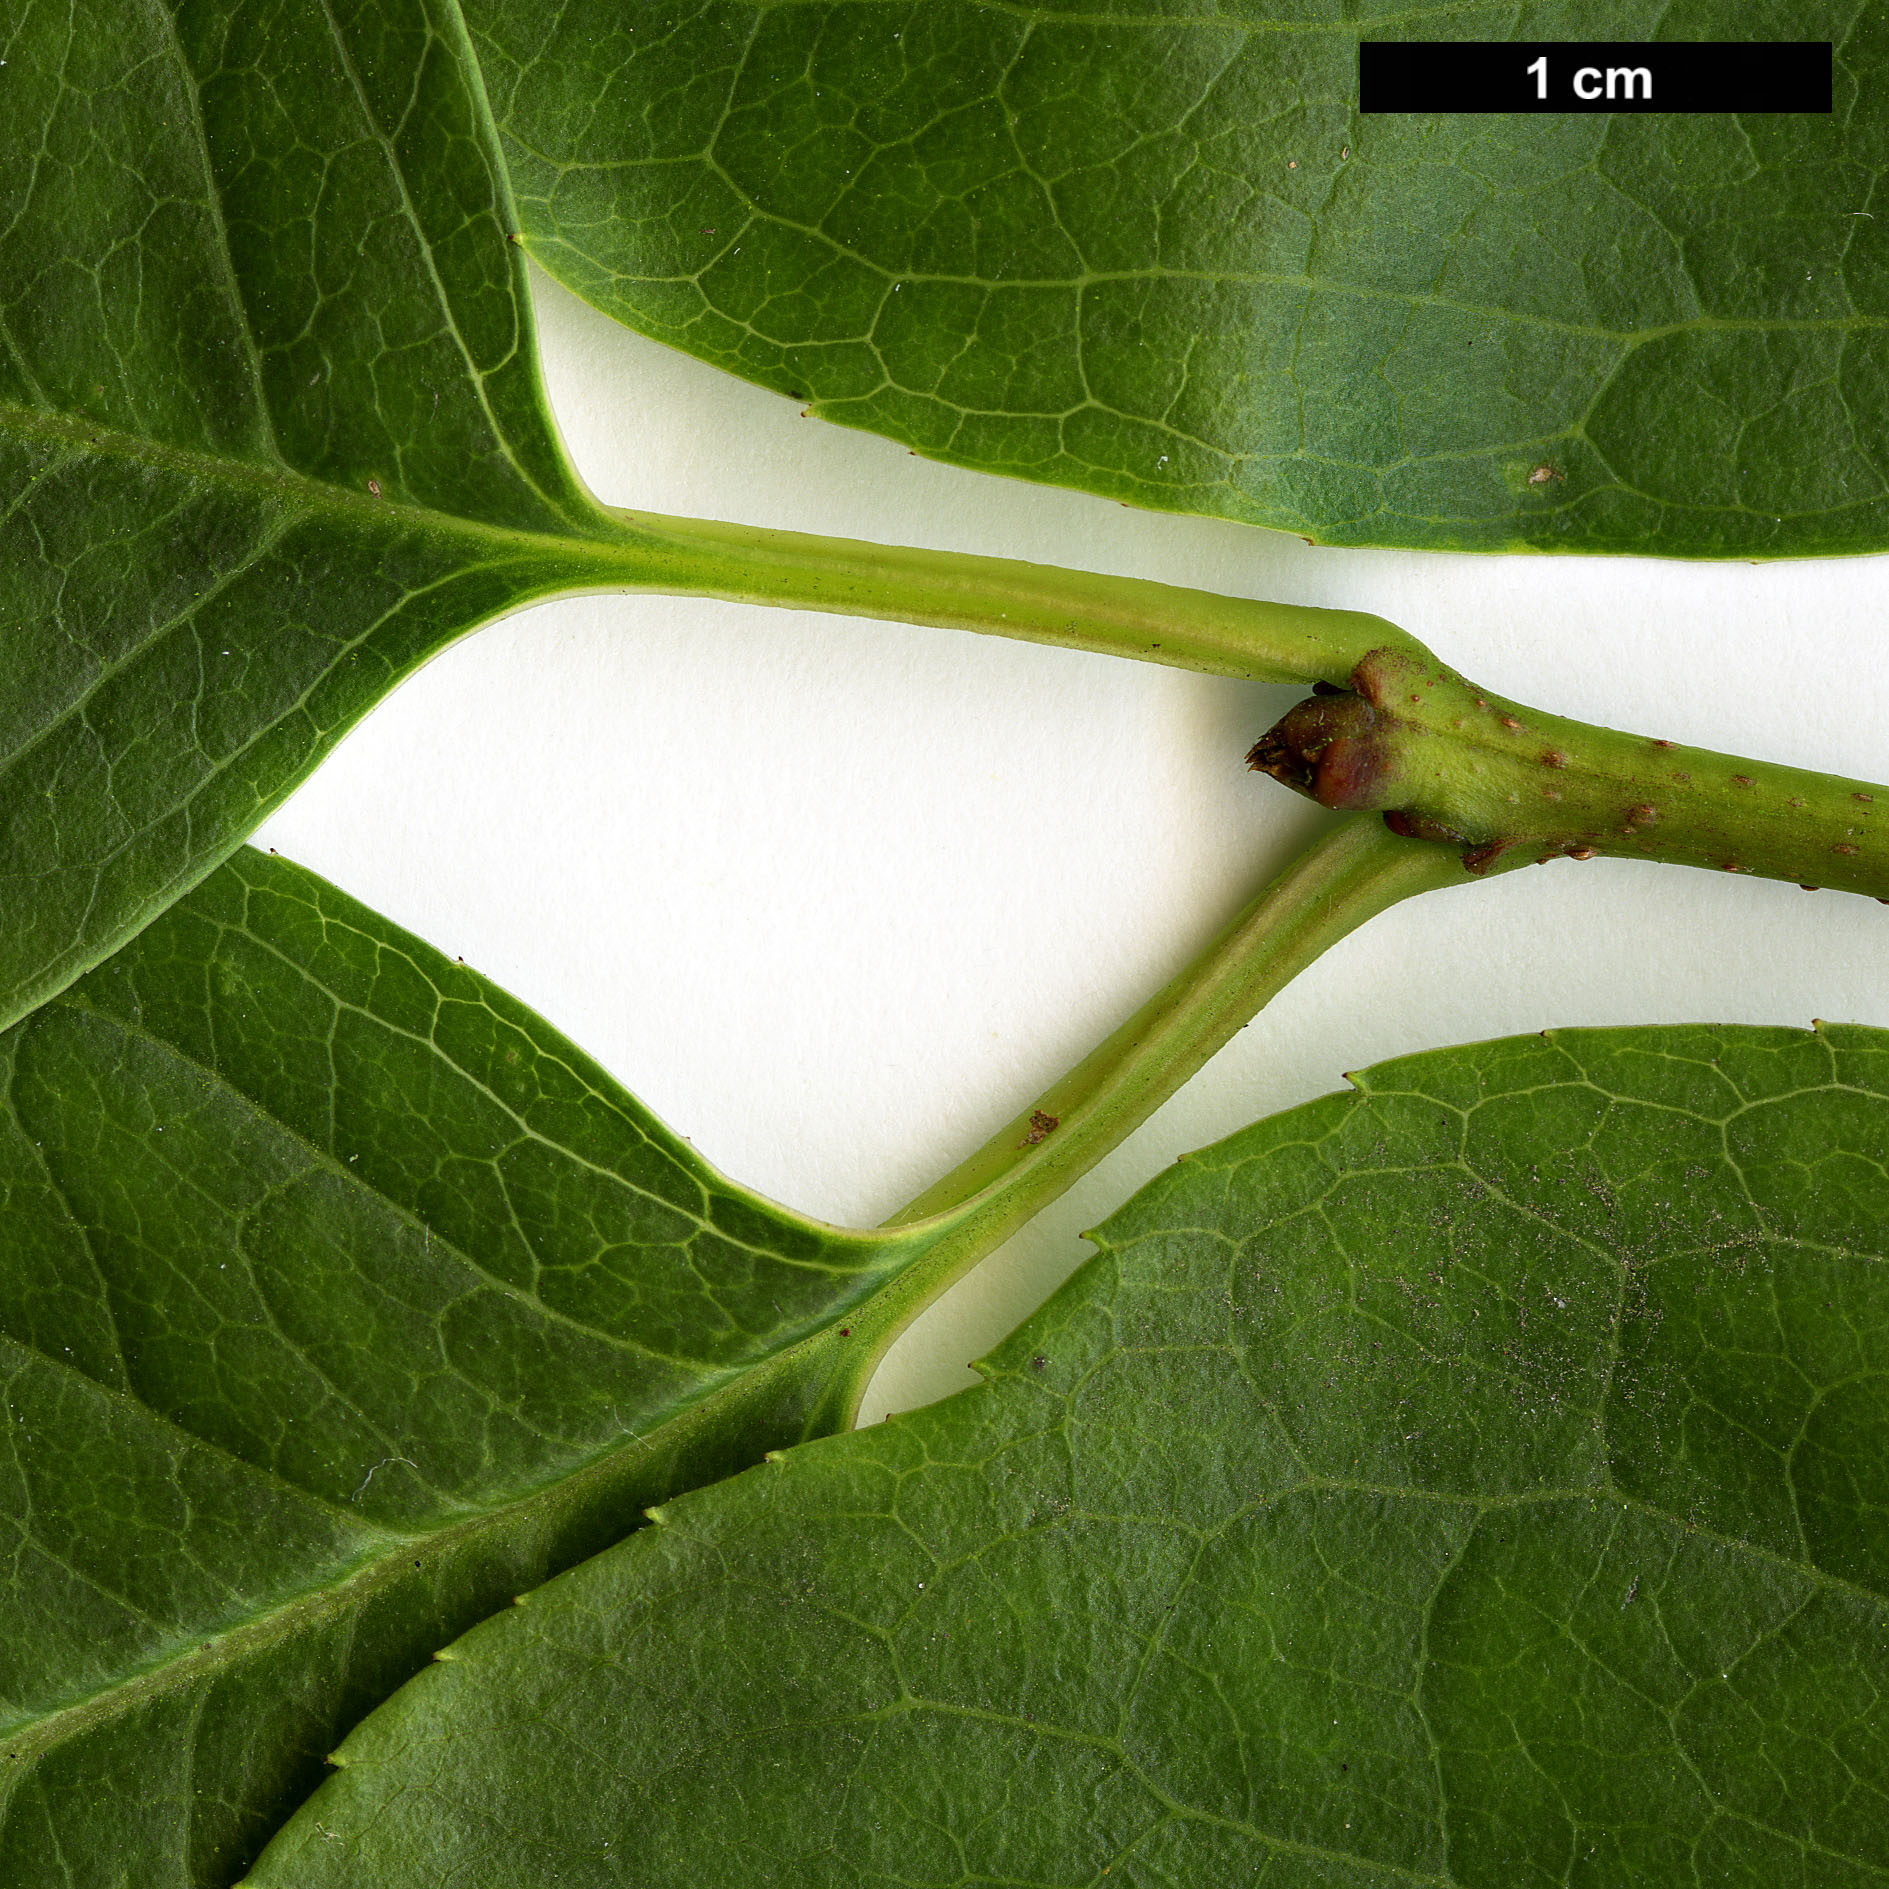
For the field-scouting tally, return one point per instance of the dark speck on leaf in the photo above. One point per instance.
(1041, 1126)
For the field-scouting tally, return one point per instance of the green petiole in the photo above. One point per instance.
(1038, 603)
(1397, 732)
(1343, 878)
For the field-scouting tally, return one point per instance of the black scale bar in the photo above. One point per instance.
(1478, 75)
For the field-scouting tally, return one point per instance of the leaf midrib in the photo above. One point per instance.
(611, 544)
(355, 1582)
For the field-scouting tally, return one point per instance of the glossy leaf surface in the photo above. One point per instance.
(341, 1300)
(1472, 1480)
(270, 427)
(1156, 252)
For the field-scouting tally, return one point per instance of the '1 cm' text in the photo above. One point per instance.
(1590, 82)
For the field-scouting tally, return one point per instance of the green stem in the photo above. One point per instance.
(1403, 735)
(1464, 780)
(1446, 761)
(1117, 616)
(1348, 875)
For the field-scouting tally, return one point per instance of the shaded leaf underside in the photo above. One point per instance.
(1473, 1480)
(1158, 253)
(270, 427)
(341, 1300)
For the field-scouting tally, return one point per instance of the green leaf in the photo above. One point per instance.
(1476, 1479)
(271, 434)
(1156, 252)
(270, 427)
(341, 1300)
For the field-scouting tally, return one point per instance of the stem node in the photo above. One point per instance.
(1445, 763)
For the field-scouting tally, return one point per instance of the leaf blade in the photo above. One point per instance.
(1164, 259)
(1394, 1497)
(270, 430)
(347, 1301)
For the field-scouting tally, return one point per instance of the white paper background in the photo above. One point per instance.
(838, 898)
